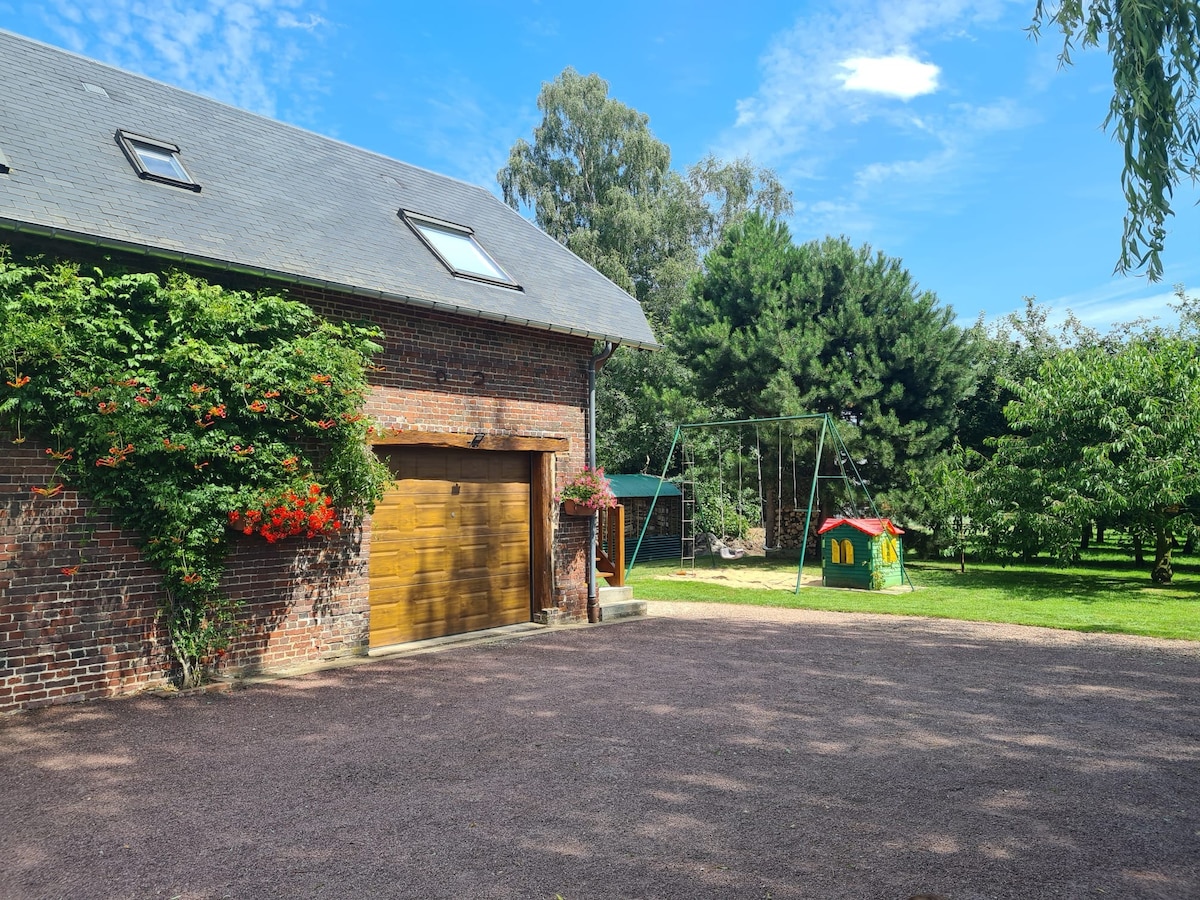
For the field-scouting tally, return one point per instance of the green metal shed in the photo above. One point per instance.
(664, 536)
(862, 553)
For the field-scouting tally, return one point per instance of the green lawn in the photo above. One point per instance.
(1103, 593)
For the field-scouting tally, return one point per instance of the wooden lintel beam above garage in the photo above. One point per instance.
(472, 441)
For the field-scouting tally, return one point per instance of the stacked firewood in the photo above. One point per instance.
(790, 530)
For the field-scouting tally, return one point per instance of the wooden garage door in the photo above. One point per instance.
(450, 544)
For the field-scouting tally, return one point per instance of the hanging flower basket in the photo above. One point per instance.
(586, 493)
(573, 508)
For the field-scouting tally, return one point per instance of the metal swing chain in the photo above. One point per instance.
(795, 487)
(721, 484)
(740, 506)
(779, 490)
(762, 515)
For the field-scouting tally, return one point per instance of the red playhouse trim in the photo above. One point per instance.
(873, 527)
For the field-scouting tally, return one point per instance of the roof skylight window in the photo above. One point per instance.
(5, 168)
(155, 160)
(456, 247)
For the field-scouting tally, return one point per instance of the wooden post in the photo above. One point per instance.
(616, 544)
(541, 510)
(611, 565)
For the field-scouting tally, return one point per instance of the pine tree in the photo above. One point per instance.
(774, 329)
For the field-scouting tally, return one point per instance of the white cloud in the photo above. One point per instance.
(896, 76)
(1115, 303)
(956, 131)
(830, 70)
(289, 20)
(447, 121)
(244, 52)
(911, 170)
(824, 114)
(536, 30)
(1103, 308)
(463, 135)
(815, 220)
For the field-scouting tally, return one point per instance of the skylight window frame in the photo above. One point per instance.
(5, 167)
(130, 140)
(415, 221)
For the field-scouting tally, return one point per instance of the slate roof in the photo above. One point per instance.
(276, 200)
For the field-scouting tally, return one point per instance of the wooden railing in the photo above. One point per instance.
(610, 545)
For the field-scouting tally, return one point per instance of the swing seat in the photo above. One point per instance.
(719, 547)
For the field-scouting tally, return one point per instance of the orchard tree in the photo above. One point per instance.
(1155, 51)
(1008, 352)
(1099, 434)
(772, 328)
(949, 494)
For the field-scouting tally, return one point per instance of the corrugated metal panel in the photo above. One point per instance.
(641, 486)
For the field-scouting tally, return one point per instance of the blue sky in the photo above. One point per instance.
(934, 130)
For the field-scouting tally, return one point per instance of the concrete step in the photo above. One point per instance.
(609, 594)
(618, 603)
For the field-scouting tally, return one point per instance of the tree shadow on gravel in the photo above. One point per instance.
(661, 758)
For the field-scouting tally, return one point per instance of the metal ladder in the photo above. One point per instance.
(687, 489)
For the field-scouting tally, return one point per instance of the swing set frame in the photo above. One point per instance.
(828, 432)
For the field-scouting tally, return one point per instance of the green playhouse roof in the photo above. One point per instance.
(873, 527)
(641, 486)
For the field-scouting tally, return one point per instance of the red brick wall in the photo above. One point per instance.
(444, 373)
(94, 633)
(65, 637)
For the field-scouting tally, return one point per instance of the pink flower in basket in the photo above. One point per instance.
(589, 491)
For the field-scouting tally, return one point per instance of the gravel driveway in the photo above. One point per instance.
(704, 751)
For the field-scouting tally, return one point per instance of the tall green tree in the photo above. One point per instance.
(724, 192)
(772, 328)
(594, 178)
(597, 179)
(1099, 434)
(588, 145)
(1155, 50)
(642, 397)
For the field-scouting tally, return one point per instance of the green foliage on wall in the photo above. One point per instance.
(188, 408)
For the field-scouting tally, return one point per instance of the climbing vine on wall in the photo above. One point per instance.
(190, 410)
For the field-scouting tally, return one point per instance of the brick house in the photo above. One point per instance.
(491, 326)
